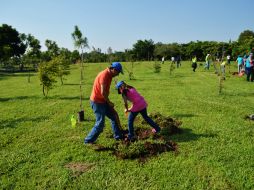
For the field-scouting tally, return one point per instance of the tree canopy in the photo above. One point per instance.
(10, 43)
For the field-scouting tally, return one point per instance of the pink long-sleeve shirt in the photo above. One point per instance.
(138, 101)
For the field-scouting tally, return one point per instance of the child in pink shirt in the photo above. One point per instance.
(139, 105)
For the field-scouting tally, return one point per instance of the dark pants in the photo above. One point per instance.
(132, 117)
(250, 73)
(194, 66)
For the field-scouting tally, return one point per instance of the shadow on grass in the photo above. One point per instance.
(41, 97)
(18, 98)
(13, 123)
(187, 135)
(71, 84)
(244, 94)
(178, 75)
(73, 98)
(183, 115)
(5, 75)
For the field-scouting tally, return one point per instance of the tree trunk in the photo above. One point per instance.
(61, 78)
(28, 79)
(44, 91)
(80, 87)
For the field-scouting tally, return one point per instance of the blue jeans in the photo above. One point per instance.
(132, 117)
(207, 65)
(250, 73)
(101, 110)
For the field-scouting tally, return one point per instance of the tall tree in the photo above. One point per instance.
(33, 53)
(245, 35)
(53, 48)
(80, 42)
(144, 49)
(11, 44)
(110, 51)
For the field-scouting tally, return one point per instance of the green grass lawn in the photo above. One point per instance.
(215, 150)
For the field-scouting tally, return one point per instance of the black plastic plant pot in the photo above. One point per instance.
(81, 116)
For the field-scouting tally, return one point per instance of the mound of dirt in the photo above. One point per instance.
(143, 150)
(234, 73)
(146, 143)
(169, 126)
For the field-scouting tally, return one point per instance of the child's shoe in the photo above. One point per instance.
(154, 131)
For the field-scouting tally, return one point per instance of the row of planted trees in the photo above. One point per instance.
(58, 64)
(24, 52)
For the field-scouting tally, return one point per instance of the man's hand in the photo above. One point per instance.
(111, 104)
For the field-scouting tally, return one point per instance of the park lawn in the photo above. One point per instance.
(215, 150)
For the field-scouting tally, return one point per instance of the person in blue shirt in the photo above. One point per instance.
(249, 68)
(239, 61)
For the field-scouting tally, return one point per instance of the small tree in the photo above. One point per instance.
(80, 43)
(47, 73)
(171, 67)
(130, 72)
(157, 67)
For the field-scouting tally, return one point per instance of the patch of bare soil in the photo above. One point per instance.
(146, 143)
(235, 73)
(78, 168)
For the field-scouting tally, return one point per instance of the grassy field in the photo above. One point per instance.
(215, 150)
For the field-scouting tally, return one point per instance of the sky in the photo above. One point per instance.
(121, 23)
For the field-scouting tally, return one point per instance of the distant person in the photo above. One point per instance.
(178, 61)
(194, 63)
(249, 68)
(173, 59)
(139, 105)
(228, 59)
(162, 60)
(217, 57)
(228, 62)
(240, 63)
(207, 61)
(101, 104)
(252, 67)
(244, 59)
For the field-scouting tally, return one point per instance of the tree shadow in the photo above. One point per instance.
(5, 75)
(69, 98)
(183, 115)
(71, 84)
(244, 94)
(12, 123)
(187, 135)
(179, 76)
(18, 98)
(41, 97)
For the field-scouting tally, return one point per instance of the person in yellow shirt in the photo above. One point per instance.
(194, 63)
